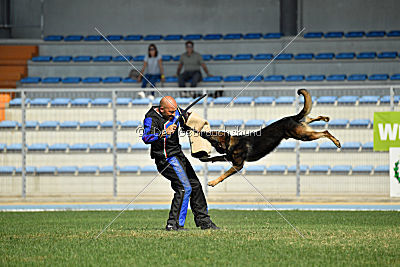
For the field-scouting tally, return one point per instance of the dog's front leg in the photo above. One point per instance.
(214, 159)
(231, 171)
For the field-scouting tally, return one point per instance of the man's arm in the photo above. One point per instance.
(150, 133)
(203, 65)
(178, 71)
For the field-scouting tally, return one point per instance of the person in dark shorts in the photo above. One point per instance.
(160, 130)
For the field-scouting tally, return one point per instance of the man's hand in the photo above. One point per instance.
(171, 129)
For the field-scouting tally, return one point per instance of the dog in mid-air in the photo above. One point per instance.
(241, 148)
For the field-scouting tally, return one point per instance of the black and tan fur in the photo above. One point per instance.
(241, 148)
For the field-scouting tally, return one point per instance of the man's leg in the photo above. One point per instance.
(196, 78)
(144, 81)
(183, 77)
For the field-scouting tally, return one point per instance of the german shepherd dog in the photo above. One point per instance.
(241, 148)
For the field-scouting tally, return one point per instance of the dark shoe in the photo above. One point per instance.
(171, 227)
(209, 225)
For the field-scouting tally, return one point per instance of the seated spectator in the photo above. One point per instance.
(191, 61)
(155, 70)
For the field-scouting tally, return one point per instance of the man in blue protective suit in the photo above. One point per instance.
(160, 130)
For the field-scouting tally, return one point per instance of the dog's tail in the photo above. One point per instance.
(307, 104)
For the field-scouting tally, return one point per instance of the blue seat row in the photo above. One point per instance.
(327, 146)
(68, 125)
(224, 57)
(159, 37)
(216, 79)
(352, 34)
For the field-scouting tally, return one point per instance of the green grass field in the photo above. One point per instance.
(247, 238)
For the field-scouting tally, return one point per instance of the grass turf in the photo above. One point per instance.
(250, 238)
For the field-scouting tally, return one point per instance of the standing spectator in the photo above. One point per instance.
(155, 70)
(191, 61)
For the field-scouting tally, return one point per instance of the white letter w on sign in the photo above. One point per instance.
(388, 131)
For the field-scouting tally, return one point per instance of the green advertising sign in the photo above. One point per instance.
(386, 130)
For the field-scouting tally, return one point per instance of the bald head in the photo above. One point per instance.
(168, 107)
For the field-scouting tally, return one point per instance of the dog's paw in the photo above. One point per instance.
(326, 119)
(212, 183)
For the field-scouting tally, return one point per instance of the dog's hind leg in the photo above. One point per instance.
(319, 118)
(309, 136)
(234, 169)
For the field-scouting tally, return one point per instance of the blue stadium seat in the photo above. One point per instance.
(233, 123)
(253, 78)
(100, 147)
(67, 170)
(338, 123)
(223, 100)
(42, 59)
(233, 36)
(319, 169)
(156, 101)
(140, 101)
(140, 147)
(192, 37)
(386, 99)
(33, 80)
(197, 168)
(215, 123)
(173, 37)
(273, 35)
(369, 99)
(294, 78)
(378, 77)
(223, 57)
(375, 34)
(284, 57)
(102, 59)
(393, 34)
(252, 36)
(53, 38)
(346, 55)
(274, 78)
(109, 124)
(243, 57)
(351, 146)
(366, 55)
(60, 102)
(233, 78)
(2, 147)
(341, 169)
(148, 169)
(31, 125)
(348, 99)
(264, 100)
(303, 169)
(334, 35)
(73, 38)
(357, 34)
(93, 38)
(254, 169)
(92, 80)
(129, 80)
(212, 79)
(8, 124)
(185, 146)
(88, 169)
(308, 146)
(391, 54)
(207, 57)
(313, 35)
(304, 56)
(357, 77)
(89, 124)
(183, 100)
(138, 58)
(123, 101)
(122, 58)
(14, 148)
(243, 100)
(46, 170)
(285, 100)
(81, 101)
(287, 145)
(315, 78)
(362, 169)
(129, 169)
(79, 147)
(368, 146)
(38, 147)
(51, 80)
(365, 123)
(62, 59)
(171, 79)
(395, 77)
(7, 170)
(336, 77)
(327, 146)
(28, 170)
(325, 56)
(381, 170)
(16, 102)
(101, 102)
(107, 169)
(114, 37)
(254, 123)
(166, 58)
(276, 169)
(153, 37)
(40, 101)
(58, 147)
(133, 37)
(212, 37)
(215, 168)
(123, 147)
(48, 124)
(73, 80)
(263, 57)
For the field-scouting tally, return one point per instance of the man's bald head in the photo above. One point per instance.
(168, 107)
